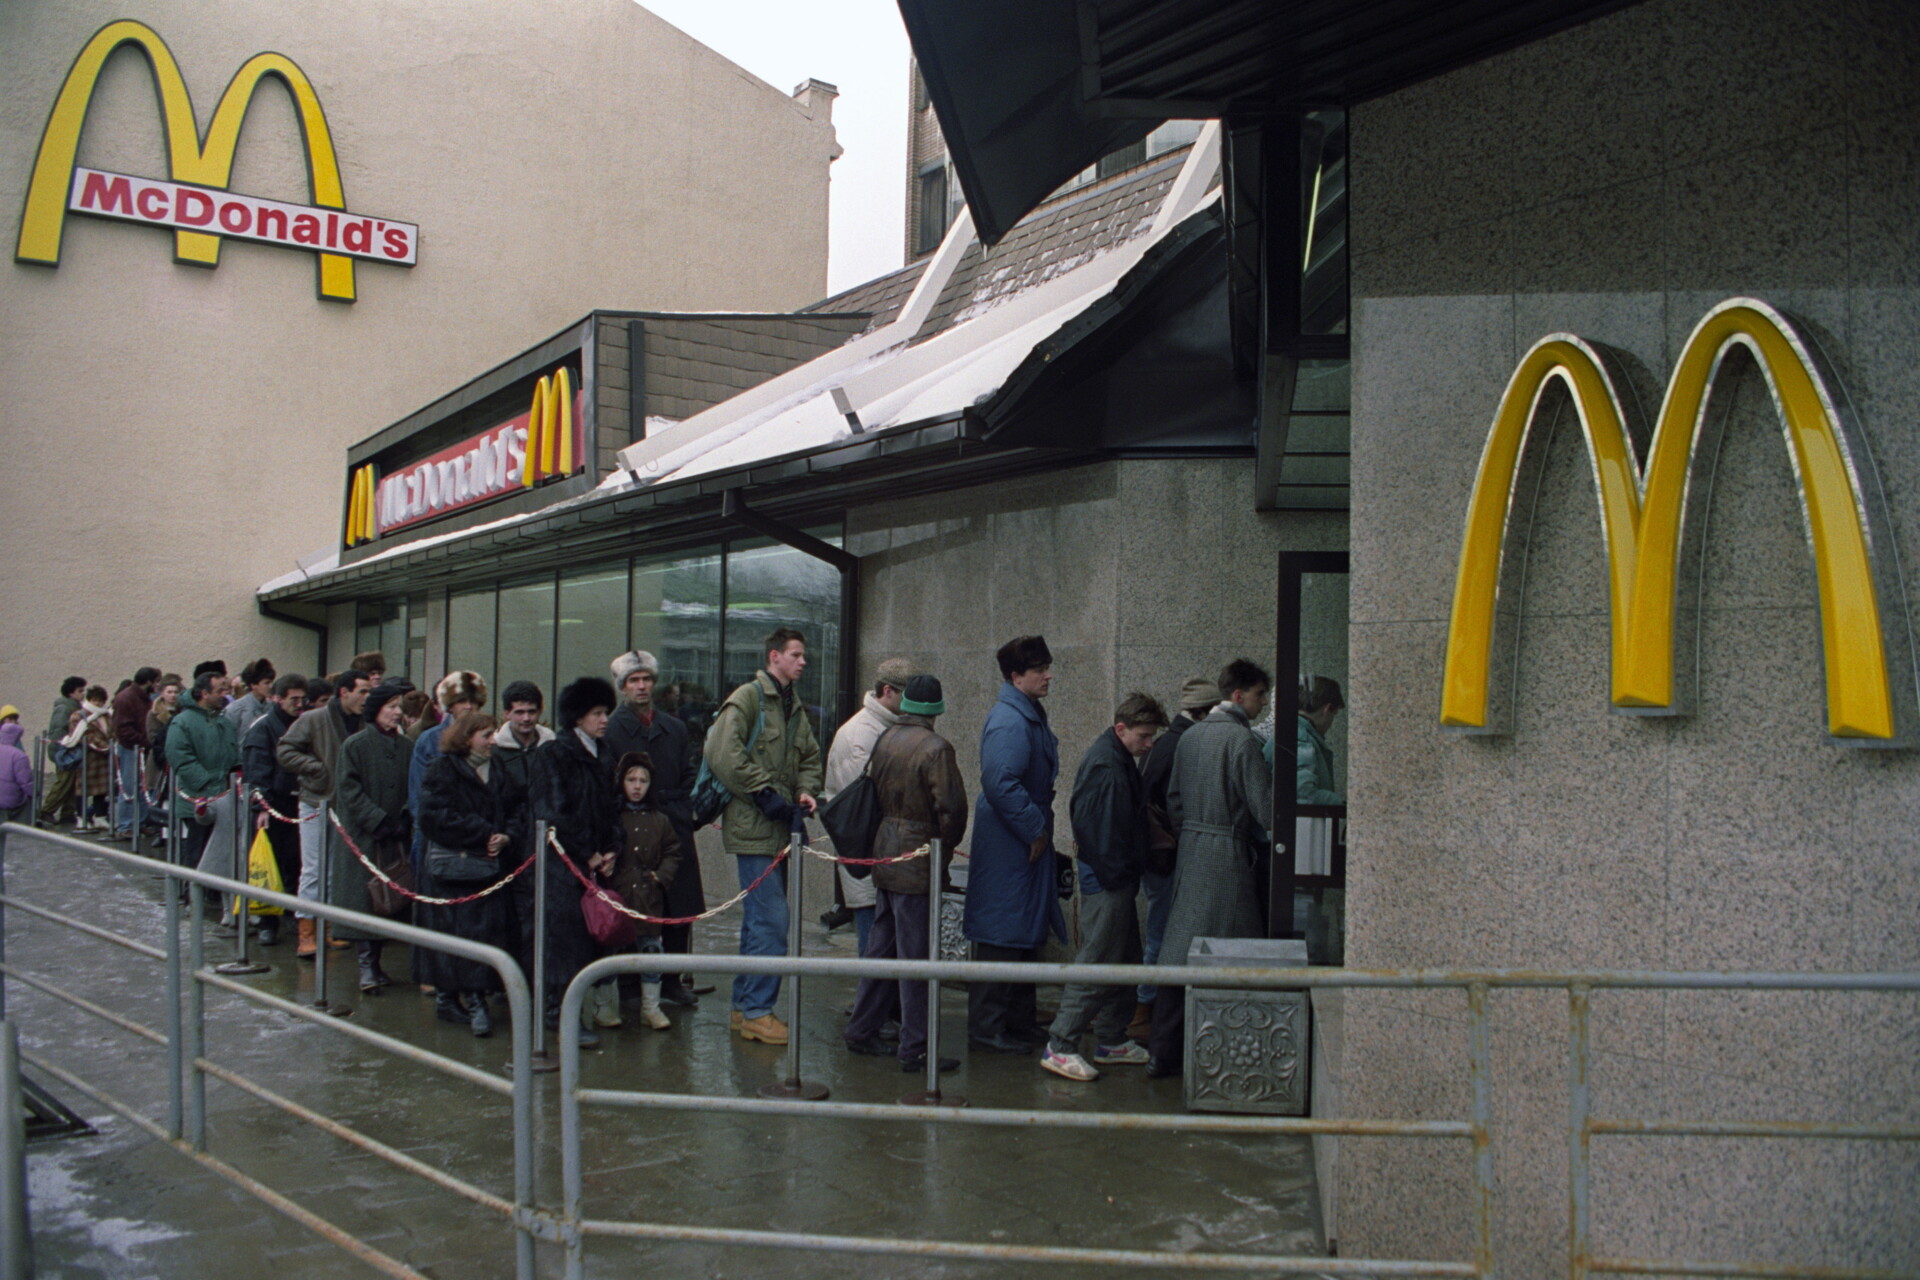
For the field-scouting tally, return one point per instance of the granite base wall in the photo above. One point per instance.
(1616, 181)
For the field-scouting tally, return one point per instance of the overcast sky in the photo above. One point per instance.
(859, 46)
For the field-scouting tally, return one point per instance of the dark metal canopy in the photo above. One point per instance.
(1030, 92)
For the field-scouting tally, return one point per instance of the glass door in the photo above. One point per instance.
(1307, 882)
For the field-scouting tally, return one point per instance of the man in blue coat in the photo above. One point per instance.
(1011, 898)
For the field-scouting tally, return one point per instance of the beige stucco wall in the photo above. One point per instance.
(1138, 573)
(175, 436)
(1615, 182)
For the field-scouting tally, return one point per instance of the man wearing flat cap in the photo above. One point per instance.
(640, 725)
(847, 760)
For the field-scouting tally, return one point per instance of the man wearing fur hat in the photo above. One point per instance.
(640, 725)
(762, 749)
(459, 693)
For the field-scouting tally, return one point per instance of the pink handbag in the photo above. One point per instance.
(609, 926)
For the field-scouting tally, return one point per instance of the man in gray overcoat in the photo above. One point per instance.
(1220, 799)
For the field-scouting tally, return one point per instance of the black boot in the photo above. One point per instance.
(674, 991)
(374, 948)
(447, 1008)
(370, 983)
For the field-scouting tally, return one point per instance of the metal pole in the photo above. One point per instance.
(542, 1060)
(242, 830)
(196, 1018)
(794, 872)
(176, 1105)
(3, 918)
(932, 1097)
(571, 1180)
(16, 1243)
(1480, 1055)
(1579, 1132)
(320, 947)
(174, 829)
(39, 776)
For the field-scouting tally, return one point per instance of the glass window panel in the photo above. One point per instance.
(593, 622)
(933, 210)
(382, 625)
(676, 618)
(524, 648)
(1318, 433)
(1323, 276)
(470, 626)
(770, 585)
(1322, 384)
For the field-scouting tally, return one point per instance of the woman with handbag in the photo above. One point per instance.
(370, 800)
(571, 789)
(474, 817)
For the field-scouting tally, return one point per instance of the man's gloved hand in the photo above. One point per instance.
(774, 806)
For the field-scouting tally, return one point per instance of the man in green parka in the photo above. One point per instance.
(203, 753)
(762, 749)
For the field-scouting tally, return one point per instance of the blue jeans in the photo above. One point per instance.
(763, 932)
(126, 761)
(1159, 891)
(651, 947)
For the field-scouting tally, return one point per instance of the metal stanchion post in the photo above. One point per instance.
(931, 1095)
(542, 1061)
(39, 777)
(16, 1243)
(176, 1105)
(196, 1026)
(242, 825)
(321, 940)
(792, 1086)
(174, 829)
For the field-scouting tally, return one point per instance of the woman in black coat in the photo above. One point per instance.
(572, 789)
(472, 806)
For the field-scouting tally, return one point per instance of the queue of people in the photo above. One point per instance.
(357, 771)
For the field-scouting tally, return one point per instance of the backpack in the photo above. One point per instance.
(710, 796)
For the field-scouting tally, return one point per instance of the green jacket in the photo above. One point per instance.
(202, 751)
(1313, 767)
(786, 758)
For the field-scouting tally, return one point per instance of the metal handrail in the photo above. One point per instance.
(184, 1038)
(574, 1227)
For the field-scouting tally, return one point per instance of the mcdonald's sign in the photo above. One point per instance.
(546, 442)
(1650, 521)
(195, 203)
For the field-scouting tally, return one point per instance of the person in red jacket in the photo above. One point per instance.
(130, 708)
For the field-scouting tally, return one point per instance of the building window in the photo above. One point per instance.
(771, 585)
(935, 215)
(524, 646)
(676, 614)
(383, 626)
(592, 624)
(470, 636)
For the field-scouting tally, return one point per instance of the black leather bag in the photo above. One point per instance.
(457, 866)
(852, 819)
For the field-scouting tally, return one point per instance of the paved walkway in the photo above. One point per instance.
(119, 1204)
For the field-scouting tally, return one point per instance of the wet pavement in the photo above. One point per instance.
(120, 1204)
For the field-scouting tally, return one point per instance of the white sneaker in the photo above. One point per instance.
(1127, 1053)
(1069, 1066)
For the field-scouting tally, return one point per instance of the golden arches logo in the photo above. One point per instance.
(549, 430)
(205, 164)
(1647, 522)
(362, 506)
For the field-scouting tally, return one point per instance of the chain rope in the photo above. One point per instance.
(405, 892)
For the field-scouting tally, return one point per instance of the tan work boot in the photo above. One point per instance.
(736, 1020)
(305, 947)
(766, 1028)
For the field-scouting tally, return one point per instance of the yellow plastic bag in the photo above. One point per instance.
(263, 872)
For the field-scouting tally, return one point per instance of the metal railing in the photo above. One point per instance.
(574, 1227)
(185, 1127)
(188, 1065)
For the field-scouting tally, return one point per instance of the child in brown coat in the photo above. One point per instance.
(639, 872)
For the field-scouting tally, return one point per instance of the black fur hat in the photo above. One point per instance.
(582, 696)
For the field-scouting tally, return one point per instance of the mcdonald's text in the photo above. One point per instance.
(181, 207)
(477, 469)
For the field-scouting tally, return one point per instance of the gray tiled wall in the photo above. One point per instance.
(1616, 181)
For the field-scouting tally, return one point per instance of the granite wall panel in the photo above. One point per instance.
(1616, 181)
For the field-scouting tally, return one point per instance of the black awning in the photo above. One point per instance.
(1030, 92)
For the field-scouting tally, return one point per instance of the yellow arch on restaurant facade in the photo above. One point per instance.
(363, 514)
(549, 430)
(1643, 516)
(210, 165)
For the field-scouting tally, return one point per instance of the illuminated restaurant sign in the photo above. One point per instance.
(546, 442)
(193, 202)
(1649, 517)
